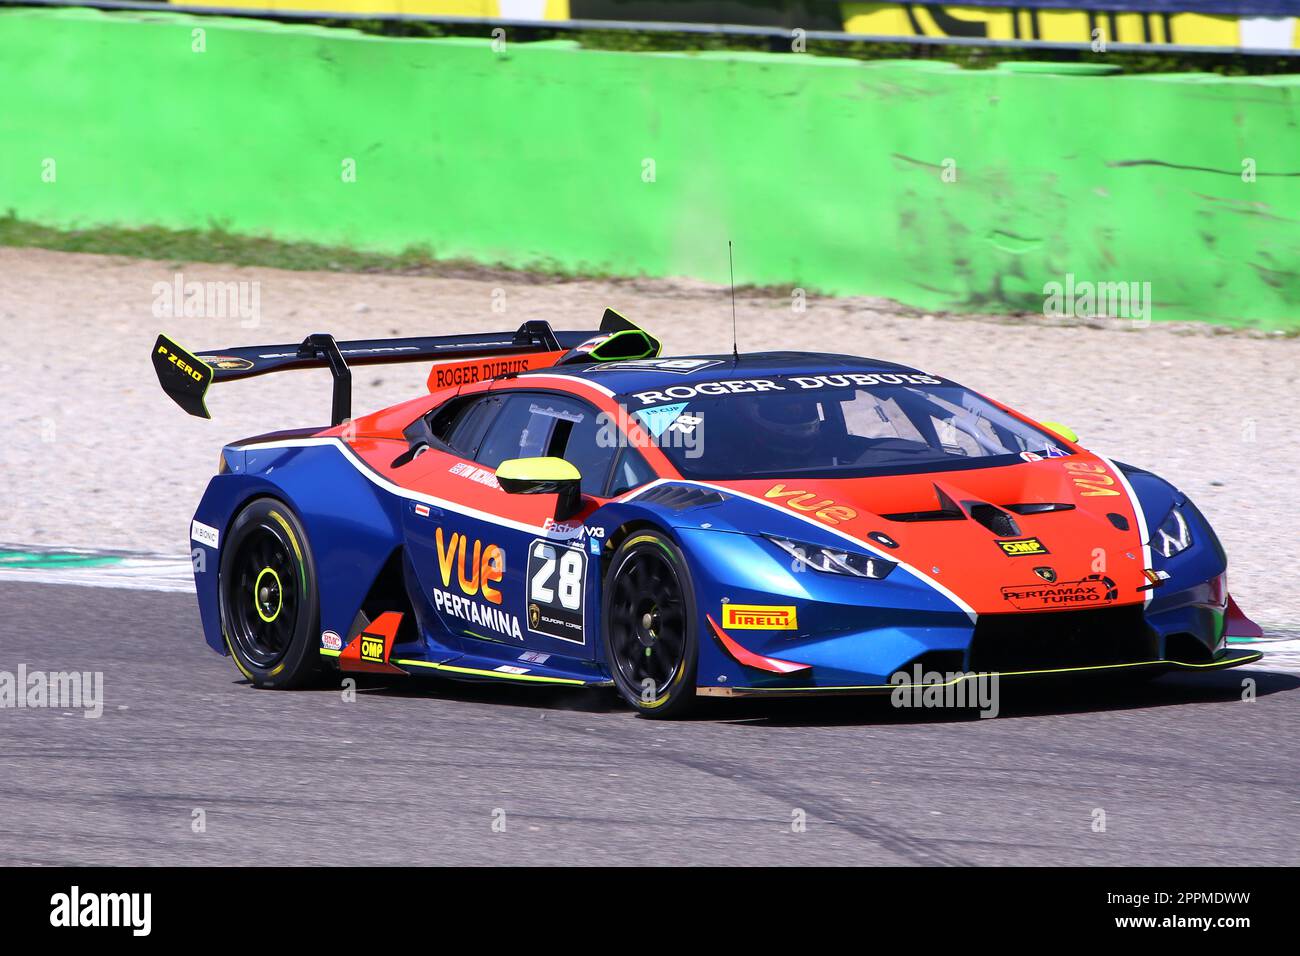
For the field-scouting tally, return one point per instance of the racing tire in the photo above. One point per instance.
(270, 604)
(649, 625)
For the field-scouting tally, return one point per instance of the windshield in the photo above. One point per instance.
(812, 425)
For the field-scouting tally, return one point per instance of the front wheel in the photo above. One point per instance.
(269, 600)
(649, 623)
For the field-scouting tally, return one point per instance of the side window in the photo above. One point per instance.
(631, 471)
(516, 432)
(462, 430)
(586, 446)
(534, 424)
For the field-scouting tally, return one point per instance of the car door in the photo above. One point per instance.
(499, 569)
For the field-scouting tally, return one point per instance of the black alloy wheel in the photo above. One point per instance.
(269, 601)
(650, 624)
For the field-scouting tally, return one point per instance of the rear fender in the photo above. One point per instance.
(352, 525)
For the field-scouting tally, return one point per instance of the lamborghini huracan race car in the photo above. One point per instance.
(569, 508)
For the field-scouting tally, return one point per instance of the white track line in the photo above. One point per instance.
(146, 572)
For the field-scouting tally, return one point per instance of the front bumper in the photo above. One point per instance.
(809, 632)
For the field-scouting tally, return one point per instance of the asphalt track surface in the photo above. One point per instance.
(1185, 772)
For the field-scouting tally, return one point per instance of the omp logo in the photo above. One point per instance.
(74, 909)
(824, 508)
(372, 648)
(759, 617)
(180, 363)
(486, 567)
(1018, 547)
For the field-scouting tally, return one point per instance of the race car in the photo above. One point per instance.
(571, 508)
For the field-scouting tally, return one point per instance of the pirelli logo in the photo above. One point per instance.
(1019, 547)
(758, 617)
(372, 649)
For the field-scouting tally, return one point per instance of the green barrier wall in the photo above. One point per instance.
(827, 173)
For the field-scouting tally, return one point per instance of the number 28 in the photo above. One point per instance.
(569, 583)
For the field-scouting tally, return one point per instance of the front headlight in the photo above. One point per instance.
(835, 561)
(1174, 536)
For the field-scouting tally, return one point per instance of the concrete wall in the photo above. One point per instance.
(828, 174)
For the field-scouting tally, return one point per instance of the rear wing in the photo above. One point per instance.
(186, 376)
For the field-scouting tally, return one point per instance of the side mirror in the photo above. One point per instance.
(1065, 431)
(543, 476)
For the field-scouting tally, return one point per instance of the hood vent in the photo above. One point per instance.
(997, 519)
(681, 497)
(947, 511)
(1039, 507)
(939, 515)
(994, 518)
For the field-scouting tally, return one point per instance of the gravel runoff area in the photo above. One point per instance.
(96, 456)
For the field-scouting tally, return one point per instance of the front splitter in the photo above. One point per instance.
(1230, 658)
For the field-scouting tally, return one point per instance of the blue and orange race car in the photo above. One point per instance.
(570, 508)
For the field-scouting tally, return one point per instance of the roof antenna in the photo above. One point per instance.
(731, 259)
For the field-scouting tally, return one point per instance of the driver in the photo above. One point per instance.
(789, 425)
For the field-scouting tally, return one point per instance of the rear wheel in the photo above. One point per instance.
(269, 600)
(649, 625)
